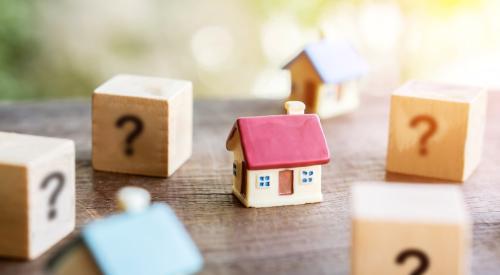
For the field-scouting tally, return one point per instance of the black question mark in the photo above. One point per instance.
(422, 258)
(129, 151)
(53, 198)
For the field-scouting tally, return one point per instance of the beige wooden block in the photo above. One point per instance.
(37, 193)
(142, 125)
(418, 225)
(436, 130)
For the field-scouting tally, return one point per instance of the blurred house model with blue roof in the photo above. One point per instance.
(325, 77)
(151, 241)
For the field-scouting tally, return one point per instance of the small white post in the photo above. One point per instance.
(133, 199)
(295, 107)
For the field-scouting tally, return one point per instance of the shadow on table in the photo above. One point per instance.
(402, 178)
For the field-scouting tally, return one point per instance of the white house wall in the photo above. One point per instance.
(329, 106)
(302, 193)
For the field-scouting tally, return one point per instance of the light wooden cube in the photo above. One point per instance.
(142, 125)
(37, 193)
(397, 228)
(436, 130)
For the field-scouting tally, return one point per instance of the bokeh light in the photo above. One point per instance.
(235, 49)
(211, 47)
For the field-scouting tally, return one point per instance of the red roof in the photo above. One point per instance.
(281, 141)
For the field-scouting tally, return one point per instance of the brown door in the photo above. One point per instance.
(243, 190)
(286, 182)
(310, 96)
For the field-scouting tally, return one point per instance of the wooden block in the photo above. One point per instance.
(398, 228)
(142, 125)
(37, 193)
(436, 130)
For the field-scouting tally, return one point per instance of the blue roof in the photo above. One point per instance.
(335, 62)
(152, 242)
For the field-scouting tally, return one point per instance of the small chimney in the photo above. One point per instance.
(133, 199)
(294, 107)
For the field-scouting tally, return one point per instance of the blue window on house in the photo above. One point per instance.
(264, 181)
(235, 169)
(307, 176)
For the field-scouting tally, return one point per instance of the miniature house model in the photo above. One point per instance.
(325, 77)
(152, 241)
(277, 159)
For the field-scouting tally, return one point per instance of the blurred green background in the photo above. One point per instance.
(235, 48)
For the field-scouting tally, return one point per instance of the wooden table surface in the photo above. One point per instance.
(307, 239)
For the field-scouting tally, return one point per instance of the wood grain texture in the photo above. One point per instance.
(305, 239)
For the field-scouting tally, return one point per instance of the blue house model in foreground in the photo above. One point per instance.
(325, 77)
(152, 242)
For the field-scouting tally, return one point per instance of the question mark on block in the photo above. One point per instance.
(432, 127)
(59, 177)
(138, 127)
(422, 258)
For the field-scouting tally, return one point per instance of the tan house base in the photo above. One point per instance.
(285, 200)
